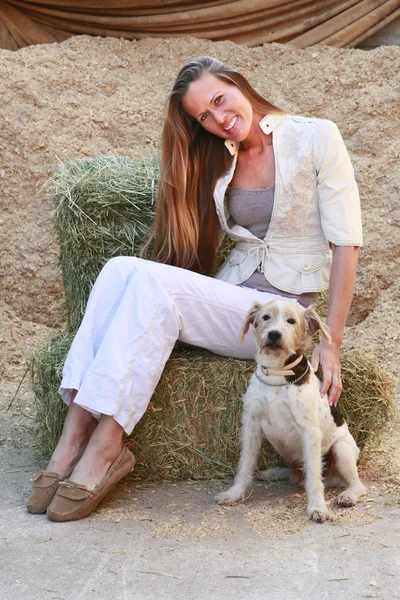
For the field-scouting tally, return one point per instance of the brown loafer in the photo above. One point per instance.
(45, 485)
(74, 501)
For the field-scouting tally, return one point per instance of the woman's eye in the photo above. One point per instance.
(266, 317)
(218, 99)
(292, 321)
(204, 117)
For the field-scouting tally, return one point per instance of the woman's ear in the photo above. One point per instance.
(250, 317)
(313, 322)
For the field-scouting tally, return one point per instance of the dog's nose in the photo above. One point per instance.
(274, 335)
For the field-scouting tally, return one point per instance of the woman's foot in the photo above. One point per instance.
(94, 464)
(103, 449)
(44, 487)
(74, 501)
(104, 462)
(77, 431)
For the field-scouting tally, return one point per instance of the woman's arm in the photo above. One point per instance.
(341, 287)
(341, 222)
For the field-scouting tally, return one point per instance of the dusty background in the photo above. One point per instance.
(92, 95)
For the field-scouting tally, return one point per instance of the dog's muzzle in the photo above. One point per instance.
(273, 341)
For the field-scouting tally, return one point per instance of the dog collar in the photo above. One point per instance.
(260, 378)
(286, 370)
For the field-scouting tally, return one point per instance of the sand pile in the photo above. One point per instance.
(91, 95)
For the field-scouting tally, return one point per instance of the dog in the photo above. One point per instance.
(283, 402)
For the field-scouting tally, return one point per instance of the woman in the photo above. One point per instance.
(283, 189)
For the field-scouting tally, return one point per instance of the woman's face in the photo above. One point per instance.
(220, 107)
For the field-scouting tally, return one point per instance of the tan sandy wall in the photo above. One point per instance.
(94, 95)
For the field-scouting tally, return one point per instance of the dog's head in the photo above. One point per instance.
(283, 327)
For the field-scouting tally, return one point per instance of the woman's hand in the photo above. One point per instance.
(327, 357)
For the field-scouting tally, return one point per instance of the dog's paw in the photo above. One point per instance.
(345, 500)
(229, 497)
(350, 496)
(318, 515)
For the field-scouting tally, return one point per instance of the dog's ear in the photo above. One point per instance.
(251, 315)
(313, 322)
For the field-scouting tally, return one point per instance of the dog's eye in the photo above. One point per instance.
(292, 321)
(266, 317)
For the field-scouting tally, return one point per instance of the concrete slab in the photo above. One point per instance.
(170, 541)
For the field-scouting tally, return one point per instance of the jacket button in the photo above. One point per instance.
(306, 266)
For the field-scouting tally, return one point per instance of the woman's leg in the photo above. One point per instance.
(78, 428)
(104, 300)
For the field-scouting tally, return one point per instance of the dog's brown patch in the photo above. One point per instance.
(337, 415)
(328, 464)
(298, 370)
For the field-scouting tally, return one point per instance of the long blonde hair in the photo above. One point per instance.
(186, 228)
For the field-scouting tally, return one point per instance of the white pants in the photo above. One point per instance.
(135, 313)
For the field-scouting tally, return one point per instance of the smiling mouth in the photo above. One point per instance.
(231, 124)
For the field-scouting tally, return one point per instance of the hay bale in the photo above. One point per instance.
(191, 428)
(46, 372)
(103, 207)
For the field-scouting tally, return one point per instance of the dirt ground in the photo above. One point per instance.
(170, 541)
(92, 95)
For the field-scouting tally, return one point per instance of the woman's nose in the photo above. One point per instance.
(219, 116)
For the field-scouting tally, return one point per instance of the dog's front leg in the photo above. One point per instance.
(316, 508)
(251, 439)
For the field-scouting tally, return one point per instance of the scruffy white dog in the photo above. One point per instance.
(283, 403)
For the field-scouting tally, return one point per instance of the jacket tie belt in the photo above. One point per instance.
(261, 251)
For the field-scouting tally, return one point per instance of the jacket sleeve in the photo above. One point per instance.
(339, 201)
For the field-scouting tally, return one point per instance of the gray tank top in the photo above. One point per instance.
(252, 209)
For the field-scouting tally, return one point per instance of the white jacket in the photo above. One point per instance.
(316, 202)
